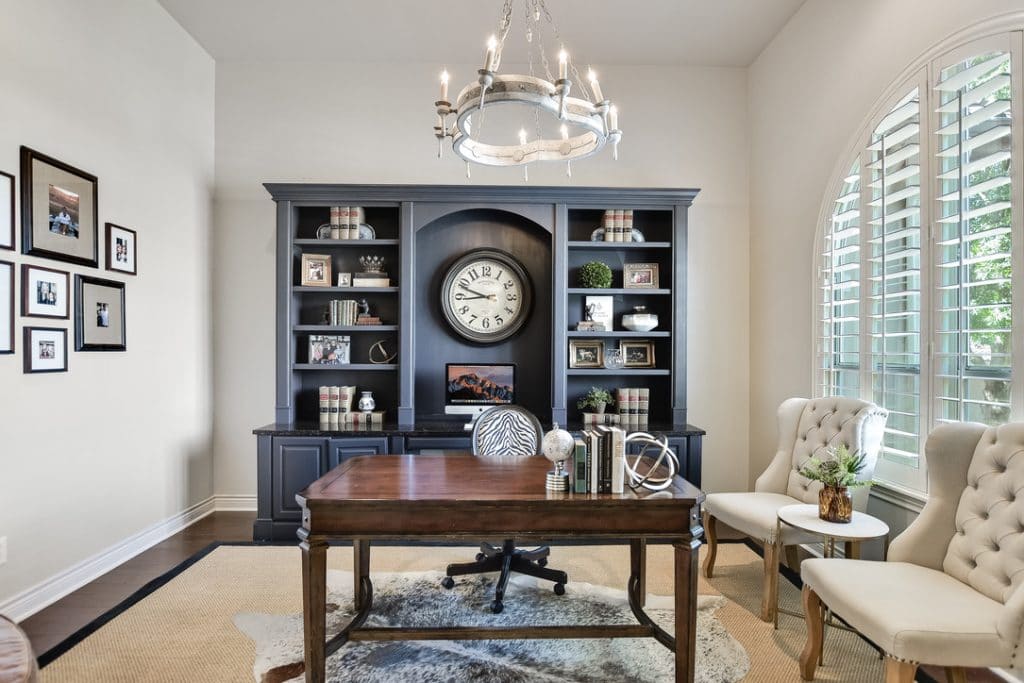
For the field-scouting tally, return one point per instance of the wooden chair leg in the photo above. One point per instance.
(711, 534)
(956, 674)
(793, 557)
(770, 592)
(815, 620)
(897, 671)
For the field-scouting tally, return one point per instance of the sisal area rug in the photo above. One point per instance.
(233, 615)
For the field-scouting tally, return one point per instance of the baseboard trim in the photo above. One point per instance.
(44, 594)
(235, 503)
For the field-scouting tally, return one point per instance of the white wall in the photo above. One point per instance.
(121, 441)
(810, 91)
(371, 123)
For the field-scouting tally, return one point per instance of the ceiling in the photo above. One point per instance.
(662, 32)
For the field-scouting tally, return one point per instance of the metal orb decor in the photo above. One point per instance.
(557, 446)
(643, 470)
(594, 119)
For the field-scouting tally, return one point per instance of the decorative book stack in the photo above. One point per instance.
(592, 419)
(345, 221)
(598, 461)
(618, 225)
(633, 407)
(344, 312)
(363, 419)
(335, 401)
(371, 280)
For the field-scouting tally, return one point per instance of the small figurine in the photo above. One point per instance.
(591, 309)
(364, 307)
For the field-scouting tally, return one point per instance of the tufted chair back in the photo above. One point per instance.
(808, 427)
(987, 548)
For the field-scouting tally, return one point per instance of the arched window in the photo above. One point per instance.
(919, 253)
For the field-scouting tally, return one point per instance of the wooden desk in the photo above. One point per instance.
(455, 497)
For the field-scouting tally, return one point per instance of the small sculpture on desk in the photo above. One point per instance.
(557, 446)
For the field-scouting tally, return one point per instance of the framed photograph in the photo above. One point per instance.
(46, 349)
(640, 275)
(121, 250)
(6, 307)
(6, 211)
(637, 354)
(44, 292)
(59, 215)
(584, 353)
(344, 279)
(99, 314)
(599, 309)
(316, 270)
(329, 350)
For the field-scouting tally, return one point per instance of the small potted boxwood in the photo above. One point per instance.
(596, 399)
(595, 275)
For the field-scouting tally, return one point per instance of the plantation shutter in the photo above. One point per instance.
(893, 265)
(839, 287)
(973, 240)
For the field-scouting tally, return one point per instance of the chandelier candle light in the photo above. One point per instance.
(594, 121)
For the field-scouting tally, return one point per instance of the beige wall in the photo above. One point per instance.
(121, 441)
(371, 123)
(810, 91)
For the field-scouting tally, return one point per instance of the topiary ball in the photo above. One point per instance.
(595, 275)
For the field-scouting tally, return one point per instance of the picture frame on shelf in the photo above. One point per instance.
(637, 354)
(59, 210)
(640, 276)
(44, 292)
(122, 251)
(46, 349)
(600, 310)
(344, 279)
(99, 314)
(586, 353)
(6, 211)
(6, 307)
(316, 270)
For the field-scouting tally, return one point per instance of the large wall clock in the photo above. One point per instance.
(486, 296)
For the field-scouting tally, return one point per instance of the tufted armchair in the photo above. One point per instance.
(950, 593)
(806, 427)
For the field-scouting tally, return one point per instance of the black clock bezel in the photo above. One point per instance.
(509, 262)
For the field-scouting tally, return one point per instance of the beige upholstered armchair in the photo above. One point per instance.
(950, 593)
(806, 427)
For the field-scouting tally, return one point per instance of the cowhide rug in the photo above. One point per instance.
(417, 599)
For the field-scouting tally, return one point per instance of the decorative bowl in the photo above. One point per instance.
(640, 320)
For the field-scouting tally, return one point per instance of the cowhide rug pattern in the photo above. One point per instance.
(417, 599)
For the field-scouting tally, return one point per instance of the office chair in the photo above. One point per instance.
(502, 432)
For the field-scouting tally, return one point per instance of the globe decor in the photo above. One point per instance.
(557, 446)
(838, 473)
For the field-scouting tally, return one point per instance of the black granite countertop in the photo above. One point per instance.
(430, 428)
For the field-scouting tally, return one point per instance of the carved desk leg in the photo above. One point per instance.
(638, 567)
(314, 606)
(686, 556)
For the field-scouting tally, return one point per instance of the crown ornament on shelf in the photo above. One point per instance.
(587, 122)
(372, 264)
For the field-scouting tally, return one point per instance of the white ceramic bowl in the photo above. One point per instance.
(640, 322)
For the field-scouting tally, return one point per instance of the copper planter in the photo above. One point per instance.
(835, 504)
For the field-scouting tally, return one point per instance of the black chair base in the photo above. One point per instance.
(508, 559)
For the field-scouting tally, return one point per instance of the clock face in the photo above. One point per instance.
(486, 296)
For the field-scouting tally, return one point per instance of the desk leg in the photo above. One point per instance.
(314, 607)
(638, 567)
(361, 569)
(686, 555)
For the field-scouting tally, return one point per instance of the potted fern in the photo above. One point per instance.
(596, 399)
(838, 473)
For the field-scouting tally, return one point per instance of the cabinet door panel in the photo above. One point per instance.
(296, 463)
(343, 449)
(438, 445)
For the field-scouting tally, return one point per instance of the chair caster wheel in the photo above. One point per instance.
(542, 562)
(448, 582)
(497, 606)
(559, 589)
(480, 557)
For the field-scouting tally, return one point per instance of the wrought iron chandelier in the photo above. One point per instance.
(588, 122)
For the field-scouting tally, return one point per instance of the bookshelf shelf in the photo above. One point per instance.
(298, 289)
(620, 334)
(345, 243)
(620, 290)
(624, 372)
(347, 367)
(344, 328)
(585, 245)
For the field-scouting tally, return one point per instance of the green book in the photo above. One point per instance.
(579, 467)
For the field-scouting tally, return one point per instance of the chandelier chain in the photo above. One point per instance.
(558, 39)
(528, 19)
(503, 28)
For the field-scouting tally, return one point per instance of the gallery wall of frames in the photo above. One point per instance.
(59, 222)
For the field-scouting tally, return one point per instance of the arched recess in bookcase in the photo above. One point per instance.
(663, 231)
(309, 307)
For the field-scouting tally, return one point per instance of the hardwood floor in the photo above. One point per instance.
(61, 619)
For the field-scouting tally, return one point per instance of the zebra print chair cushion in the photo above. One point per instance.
(507, 430)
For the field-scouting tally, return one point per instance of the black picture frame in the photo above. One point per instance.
(9, 323)
(7, 222)
(26, 292)
(29, 354)
(35, 229)
(111, 265)
(81, 344)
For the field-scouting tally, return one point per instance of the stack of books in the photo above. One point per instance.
(343, 312)
(591, 419)
(362, 319)
(335, 402)
(371, 280)
(345, 222)
(598, 464)
(618, 225)
(633, 407)
(363, 420)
